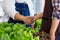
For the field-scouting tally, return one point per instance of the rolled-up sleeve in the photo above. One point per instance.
(56, 9)
(9, 8)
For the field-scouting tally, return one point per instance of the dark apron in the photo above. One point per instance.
(23, 9)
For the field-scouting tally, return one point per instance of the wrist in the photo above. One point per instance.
(52, 33)
(36, 17)
(23, 17)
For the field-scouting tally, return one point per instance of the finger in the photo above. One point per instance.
(30, 20)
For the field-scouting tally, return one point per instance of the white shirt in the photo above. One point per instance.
(1, 13)
(3, 16)
(42, 4)
(9, 7)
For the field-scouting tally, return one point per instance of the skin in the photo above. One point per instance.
(26, 19)
(55, 23)
(38, 16)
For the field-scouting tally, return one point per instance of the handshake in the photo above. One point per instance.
(29, 19)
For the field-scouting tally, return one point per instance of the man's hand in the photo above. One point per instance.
(35, 18)
(52, 36)
(28, 20)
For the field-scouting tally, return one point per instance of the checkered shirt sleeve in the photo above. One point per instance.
(56, 9)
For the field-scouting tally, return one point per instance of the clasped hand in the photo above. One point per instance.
(29, 19)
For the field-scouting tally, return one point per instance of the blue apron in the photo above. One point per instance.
(23, 9)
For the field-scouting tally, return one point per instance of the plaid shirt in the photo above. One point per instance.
(56, 9)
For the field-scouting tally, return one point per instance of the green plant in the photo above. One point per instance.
(11, 31)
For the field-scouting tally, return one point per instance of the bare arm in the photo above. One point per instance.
(26, 19)
(55, 23)
(38, 16)
(18, 17)
(56, 16)
(55, 19)
(54, 26)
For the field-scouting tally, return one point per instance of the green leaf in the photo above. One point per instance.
(5, 37)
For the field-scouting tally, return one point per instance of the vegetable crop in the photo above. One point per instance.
(38, 24)
(11, 31)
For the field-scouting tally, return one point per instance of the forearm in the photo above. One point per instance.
(39, 15)
(55, 23)
(18, 17)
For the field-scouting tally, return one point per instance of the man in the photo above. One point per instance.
(19, 10)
